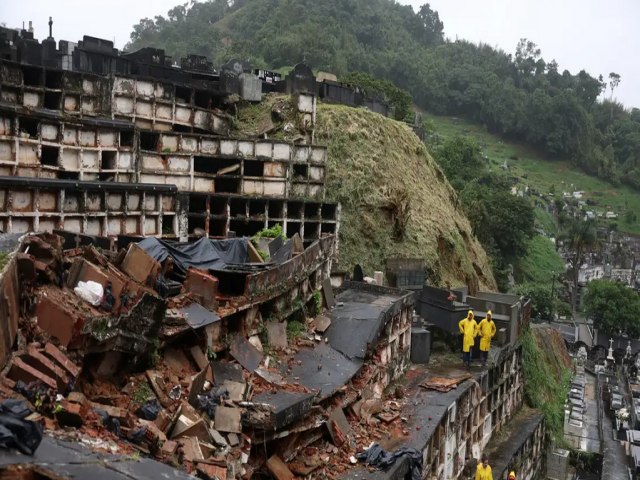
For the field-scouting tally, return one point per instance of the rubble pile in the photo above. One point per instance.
(226, 371)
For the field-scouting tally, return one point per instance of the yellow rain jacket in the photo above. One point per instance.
(512, 475)
(468, 328)
(486, 330)
(484, 473)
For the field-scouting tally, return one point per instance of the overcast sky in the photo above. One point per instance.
(597, 35)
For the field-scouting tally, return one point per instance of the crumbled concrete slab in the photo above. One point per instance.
(227, 420)
(277, 334)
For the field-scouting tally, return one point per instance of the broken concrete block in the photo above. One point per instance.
(199, 357)
(203, 286)
(246, 354)
(197, 384)
(277, 334)
(20, 371)
(54, 353)
(80, 399)
(254, 255)
(217, 438)
(255, 341)
(185, 427)
(169, 448)
(192, 450)
(57, 319)
(227, 420)
(234, 440)
(140, 266)
(322, 323)
(378, 277)
(236, 390)
(159, 388)
(338, 426)
(212, 472)
(298, 245)
(177, 361)
(327, 293)
(279, 469)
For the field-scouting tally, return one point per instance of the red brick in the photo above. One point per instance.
(169, 447)
(212, 471)
(57, 320)
(46, 366)
(21, 371)
(71, 415)
(62, 360)
(140, 266)
(279, 469)
(203, 287)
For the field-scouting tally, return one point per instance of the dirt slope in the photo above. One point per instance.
(395, 199)
(377, 167)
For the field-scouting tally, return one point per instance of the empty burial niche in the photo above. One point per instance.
(28, 126)
(253, 168)
(149, 141)
(245, 228)
(126, 138)
(202, 99)
(33, 77)
(216, 166)
(311, 230)
(167, 225)
(196, 225)
(294, 209)
(197, 204)
(237, 207)
(63, 175)
(257, 207)
(52, 100)
(108, 160)
(226, 185)
(293, 228)
(328, 212)
(217, 228)
(311, 210)
(300, 171)
(328, 228)
(183, 94)
(276, 209)
(49, 156)
(53, 79)
(218, 206)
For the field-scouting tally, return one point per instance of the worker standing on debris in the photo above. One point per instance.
(468, 328)
(483, 471)
(486, 330)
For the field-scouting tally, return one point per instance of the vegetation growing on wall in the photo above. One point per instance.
(546, 365)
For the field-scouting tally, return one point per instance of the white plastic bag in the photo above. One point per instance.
(90, 292)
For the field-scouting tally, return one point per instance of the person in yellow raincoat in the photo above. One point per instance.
(469, 329)
(512, 475)
(483, 472)
(486, 330)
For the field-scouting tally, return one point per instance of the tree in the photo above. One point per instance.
(614, 308)
(580, 237)
(614, 81)
(433, 26)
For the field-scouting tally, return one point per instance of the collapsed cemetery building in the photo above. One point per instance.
(169, 290)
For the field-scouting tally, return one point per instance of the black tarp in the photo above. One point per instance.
(204, 254)
(378, 457)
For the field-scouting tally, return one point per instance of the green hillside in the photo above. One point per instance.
(529, 167)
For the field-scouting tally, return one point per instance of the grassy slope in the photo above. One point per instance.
(540, 263)
(373, 159)
(541, 173)
(547, 365)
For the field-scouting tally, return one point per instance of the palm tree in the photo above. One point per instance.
(580, 237)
